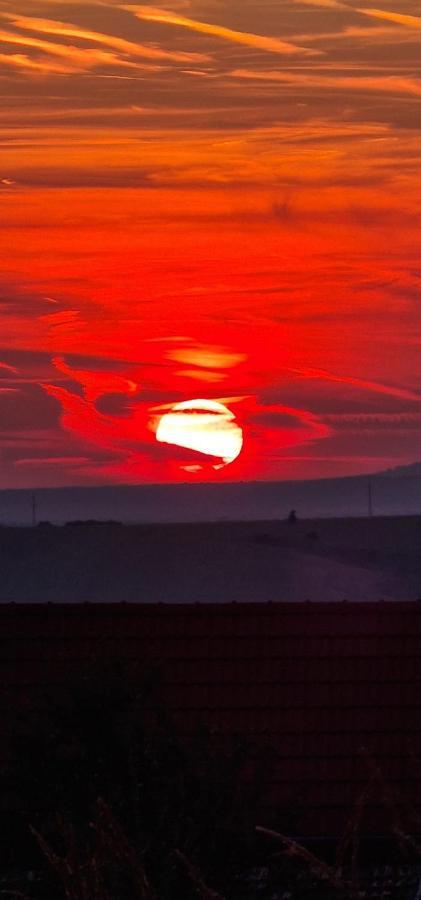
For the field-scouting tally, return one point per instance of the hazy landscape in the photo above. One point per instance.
(396, 492)
(320, 560)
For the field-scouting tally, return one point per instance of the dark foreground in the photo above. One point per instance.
(319, 560)
(148, 751)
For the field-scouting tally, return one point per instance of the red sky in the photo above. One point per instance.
(216, 199)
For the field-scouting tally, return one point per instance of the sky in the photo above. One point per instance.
(213, 200)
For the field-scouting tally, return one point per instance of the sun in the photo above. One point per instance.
(205, 426)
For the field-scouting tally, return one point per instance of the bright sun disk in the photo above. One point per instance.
(205, 426)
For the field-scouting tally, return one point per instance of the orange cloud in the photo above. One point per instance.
(208, 357)
(75, 58)
(43, 66)
(390, 84)
(380, 34)
(257, 41)
(202, 375)
(397, 18)
(130, 48)
(329, 4)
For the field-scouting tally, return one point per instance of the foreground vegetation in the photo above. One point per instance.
(113, 805)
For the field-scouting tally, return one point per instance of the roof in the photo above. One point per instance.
(333, 688)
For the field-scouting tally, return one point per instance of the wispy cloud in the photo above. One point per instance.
(381, 34)
(74, 58)
(360, 383)
(389, 84)
(207, 357)
(43, 66)
(389, 16)
(256, 41)
(96, 383)
(397, 18)
(129, 48)
(410, 420)
(328, 4)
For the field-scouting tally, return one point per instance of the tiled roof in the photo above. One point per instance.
(334, 688)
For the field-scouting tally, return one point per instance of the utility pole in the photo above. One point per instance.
(34, 509)
(370, 499)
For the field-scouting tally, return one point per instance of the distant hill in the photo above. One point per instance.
(395, 492)
(412, 471)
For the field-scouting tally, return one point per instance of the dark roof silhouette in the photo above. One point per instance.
(334, 688)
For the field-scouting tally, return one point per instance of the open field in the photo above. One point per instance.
(317, 560)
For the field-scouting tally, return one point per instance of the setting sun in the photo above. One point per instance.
(205, 426)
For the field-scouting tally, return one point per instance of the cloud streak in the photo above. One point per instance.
(255, 41)
(361, 383)
(388, 84)
(75, 59)
(128, 48)
(389, 16)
